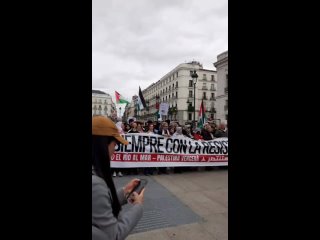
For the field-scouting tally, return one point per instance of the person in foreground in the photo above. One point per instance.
(109, 221)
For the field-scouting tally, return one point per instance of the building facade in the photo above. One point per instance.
(102, 104)
(131, 108)
(222, 86)
(177, 88)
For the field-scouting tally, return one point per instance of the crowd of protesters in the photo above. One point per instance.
(168, 128)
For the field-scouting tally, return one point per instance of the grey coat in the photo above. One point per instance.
(105, 226)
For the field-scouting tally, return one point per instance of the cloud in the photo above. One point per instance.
(135, 43)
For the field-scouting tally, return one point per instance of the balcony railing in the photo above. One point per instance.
(204, 88)
(190, 108)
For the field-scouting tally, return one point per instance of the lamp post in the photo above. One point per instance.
(194, 76)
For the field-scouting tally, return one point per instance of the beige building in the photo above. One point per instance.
(131, 108)
(102, 104)
(177, 89)
(222, 86)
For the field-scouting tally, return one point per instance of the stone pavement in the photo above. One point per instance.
(194, 206)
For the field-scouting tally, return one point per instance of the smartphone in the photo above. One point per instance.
(141, 185)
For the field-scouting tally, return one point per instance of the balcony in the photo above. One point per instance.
(172, 110)
(190, 108)
(213, 89)
(204, 88)
(212, 99)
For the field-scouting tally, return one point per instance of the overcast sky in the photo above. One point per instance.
(136, 42)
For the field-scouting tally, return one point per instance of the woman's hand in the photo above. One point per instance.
(130, 186)
(137, 198)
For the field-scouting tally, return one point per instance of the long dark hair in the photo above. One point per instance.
(101, 165)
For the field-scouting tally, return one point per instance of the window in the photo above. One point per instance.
(204, 95)
(190, 116)
(176, 94)
(204, 86)
(177, 74)
(172, 86)
(166, 89)
(212, 96)
(190, 83)
(172, 95)
(172, 76)
(226, 80)
(212, 77)
(166, 98)
(163, 99)
(204, 77)
(190, 93)
(212, 87)
(176, 84)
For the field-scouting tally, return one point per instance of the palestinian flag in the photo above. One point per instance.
(202, 116)
(141, 102)
(120, 99)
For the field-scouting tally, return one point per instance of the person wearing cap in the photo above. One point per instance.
(109, 220)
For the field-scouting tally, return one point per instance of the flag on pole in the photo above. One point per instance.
(141, 101)
(120, 99)
(202, 116)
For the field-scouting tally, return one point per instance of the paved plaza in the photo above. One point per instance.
(190, 205)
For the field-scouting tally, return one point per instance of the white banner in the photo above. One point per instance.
(164, 107)
(151, 150)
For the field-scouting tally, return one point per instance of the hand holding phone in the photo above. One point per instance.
(138, 188)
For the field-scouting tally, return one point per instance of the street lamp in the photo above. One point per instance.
(194, 76)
